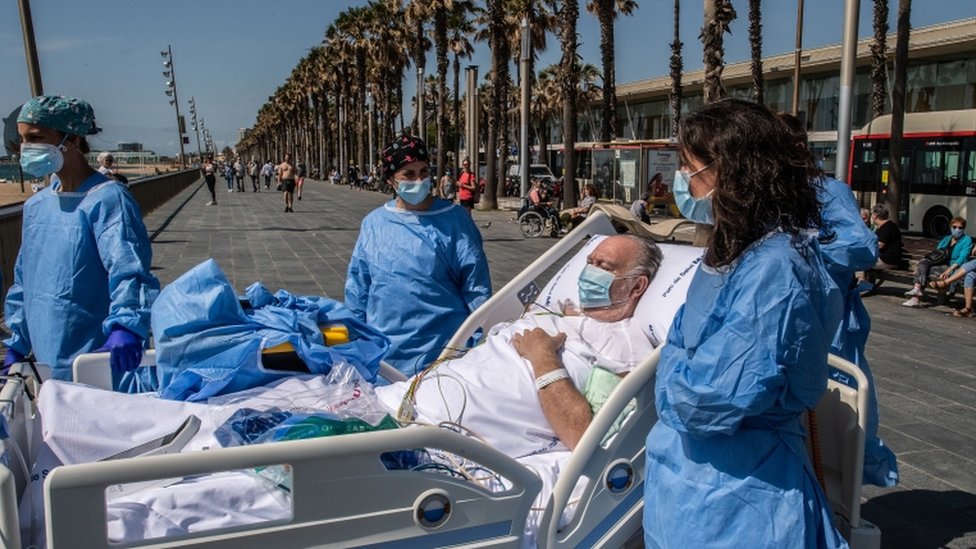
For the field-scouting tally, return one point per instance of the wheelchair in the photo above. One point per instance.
(535, 220)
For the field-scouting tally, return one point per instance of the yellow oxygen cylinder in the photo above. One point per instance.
(284, 357)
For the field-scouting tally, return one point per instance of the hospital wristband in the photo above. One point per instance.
(548, 379)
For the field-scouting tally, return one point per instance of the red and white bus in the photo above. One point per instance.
(938, 168)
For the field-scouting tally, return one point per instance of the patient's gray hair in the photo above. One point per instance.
(648, 258)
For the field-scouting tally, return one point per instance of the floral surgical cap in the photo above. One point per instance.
(65, 114)
(402, 151)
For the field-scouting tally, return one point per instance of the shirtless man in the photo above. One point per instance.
(286, 175)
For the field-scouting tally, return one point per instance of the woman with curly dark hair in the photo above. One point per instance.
(747, 354)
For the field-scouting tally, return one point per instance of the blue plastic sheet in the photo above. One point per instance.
(208, 344)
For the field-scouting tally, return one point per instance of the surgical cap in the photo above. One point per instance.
(402, 151)
(65, 114)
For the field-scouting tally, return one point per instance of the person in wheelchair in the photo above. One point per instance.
(538, 201)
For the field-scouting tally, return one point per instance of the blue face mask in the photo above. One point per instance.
(957, 233)
(41, 159)
(413, 192)
(698, 210)
(594, 287)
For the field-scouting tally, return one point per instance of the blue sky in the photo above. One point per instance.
(231, 55)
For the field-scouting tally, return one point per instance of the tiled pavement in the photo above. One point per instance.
(924, 360)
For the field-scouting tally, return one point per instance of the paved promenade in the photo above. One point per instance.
(924, 360)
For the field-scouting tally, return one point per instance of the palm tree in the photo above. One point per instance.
(755, 47)
(546, 102)
(718, 15)
(606, 12)
(460, 29)
(896, 196)
(416, 15)
(498, 43)
(569, 78)
(677, 65)
(879, 58)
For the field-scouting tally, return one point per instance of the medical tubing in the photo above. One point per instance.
(816, 456)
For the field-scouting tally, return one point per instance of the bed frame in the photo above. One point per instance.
(345, 497)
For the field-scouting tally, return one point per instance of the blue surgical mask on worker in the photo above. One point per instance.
(41, 159)
(957, 233)
(698, 210)
(413, 192)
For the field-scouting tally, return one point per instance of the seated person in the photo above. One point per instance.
(520, 390)
(639, 208)
(890, 253)
(539, 198)
(957, 245)
(574, 216)
(967, 272)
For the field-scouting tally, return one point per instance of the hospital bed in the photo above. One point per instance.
(345, 497)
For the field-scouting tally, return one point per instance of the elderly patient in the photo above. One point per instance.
(521, 390)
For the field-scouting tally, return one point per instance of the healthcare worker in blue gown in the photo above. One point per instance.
(848, 246)
(419, 267)
(81, 281)
(727, 464)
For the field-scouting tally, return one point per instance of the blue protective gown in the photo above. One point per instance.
(848, 246)
(82, 268)
(415, 277)
(746, 355)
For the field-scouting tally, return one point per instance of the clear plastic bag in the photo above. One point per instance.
(300, 407)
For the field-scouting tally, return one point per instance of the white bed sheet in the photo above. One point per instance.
(102, 423)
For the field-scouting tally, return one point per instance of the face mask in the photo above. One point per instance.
(957, 233)
(698, 210)
(413, 192)
(41, 159)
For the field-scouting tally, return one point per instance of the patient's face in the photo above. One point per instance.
(617, 256)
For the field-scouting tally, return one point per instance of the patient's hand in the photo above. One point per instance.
(540, 349)
(568, 308)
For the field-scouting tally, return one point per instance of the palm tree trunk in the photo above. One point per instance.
(361, 110)
(569, 82)
(879, 59)
(677, 65)
(456, 115)
(718, 15)
(440, 47)
(499, 63)
(608, 129)
(897, 195)
(755, 47)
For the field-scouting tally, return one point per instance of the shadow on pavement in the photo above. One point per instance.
(938, 518)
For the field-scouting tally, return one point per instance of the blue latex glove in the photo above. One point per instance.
(12, 357)
(126, 349)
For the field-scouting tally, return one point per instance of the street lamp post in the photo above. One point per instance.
(30, 48)
(196, 127)
(421, 99)
(372, 150)
(170, 73)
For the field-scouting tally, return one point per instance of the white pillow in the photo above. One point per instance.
(658, 305)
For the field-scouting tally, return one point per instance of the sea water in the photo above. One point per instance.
(10, 172)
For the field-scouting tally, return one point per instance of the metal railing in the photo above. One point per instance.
(150, 193)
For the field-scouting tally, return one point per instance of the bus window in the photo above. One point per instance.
(938, 168)
(969, 181)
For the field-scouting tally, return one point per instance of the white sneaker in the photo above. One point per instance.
(913, 302)
(211, 203)
(914, 292)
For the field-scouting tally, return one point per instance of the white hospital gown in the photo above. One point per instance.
(491, 390)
